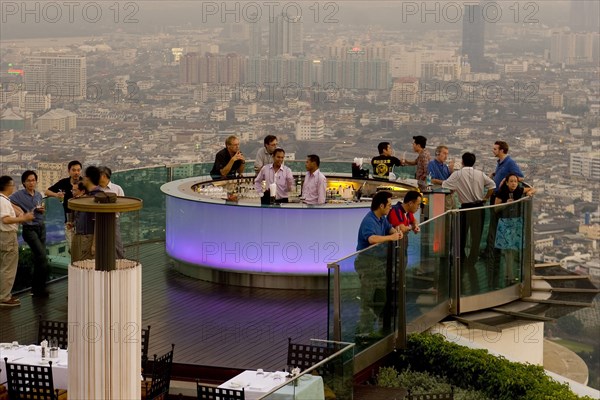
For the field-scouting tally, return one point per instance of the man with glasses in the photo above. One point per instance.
(264, 155)
(229, 161)
(10, 218)
(34, 232)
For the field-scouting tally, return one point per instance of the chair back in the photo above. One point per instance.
(30, 381)
(58, 330)
(207, 392)
(145, 346)
(431, 396)
(161, 375)
(304, 356)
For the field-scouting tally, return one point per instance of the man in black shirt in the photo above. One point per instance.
(62, 190)
(384, 162)
(229, 161)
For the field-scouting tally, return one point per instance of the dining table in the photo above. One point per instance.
(32, 355)
(257, 384)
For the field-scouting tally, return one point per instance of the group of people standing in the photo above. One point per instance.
(27, 207)
(386, 222)
(270, 169)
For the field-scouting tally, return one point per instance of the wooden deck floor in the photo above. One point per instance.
(210, 324)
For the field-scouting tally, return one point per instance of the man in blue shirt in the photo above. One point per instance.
(371, 263)
(437, 167)
(34, 232)
(439, 172)
(506, 165)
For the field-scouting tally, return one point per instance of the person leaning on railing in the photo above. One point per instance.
(371, 264)
(509, 232)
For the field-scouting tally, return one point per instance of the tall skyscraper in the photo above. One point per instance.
(255, 41)
(188, 69)
(584, 16)
(473, 39)
(62, 76)
(574, 47)
(286, 36)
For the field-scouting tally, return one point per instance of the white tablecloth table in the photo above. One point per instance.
(309, 387)
(22, 355)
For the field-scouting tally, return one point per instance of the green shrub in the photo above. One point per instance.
(422, 383)
(494, 376)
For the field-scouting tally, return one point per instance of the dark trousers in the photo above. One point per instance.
(373, 294)
(471, 226)
(35, 237)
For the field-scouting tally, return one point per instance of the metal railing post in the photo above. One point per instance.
(455, 279)
(337, 302)
(401, 262)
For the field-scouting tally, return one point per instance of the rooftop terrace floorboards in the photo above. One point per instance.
(210, 324)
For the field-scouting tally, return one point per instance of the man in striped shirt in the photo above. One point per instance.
(278, 174)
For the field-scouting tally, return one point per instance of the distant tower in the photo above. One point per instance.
(584, 16)
(473, 39)
(255, 42)
(286, 36)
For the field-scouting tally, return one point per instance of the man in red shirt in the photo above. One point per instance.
(402, 215)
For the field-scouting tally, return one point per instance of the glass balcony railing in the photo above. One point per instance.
(331, 378)
(364, 287)
(460, 261)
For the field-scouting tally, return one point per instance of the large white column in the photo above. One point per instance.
(105, 313)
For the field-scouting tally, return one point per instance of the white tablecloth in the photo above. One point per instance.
(309, 387)
(22, 355)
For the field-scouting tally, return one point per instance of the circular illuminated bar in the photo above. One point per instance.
(217, 230)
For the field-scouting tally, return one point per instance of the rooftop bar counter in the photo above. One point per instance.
(217, 230)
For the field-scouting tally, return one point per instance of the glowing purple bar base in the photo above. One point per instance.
(254, 239)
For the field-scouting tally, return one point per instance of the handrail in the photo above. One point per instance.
(312, 368)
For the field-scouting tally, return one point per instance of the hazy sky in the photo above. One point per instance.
(77, 18)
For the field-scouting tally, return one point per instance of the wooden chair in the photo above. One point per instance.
(208, 392)
(145, 346)
(304, 356)
(158, 387)
(32, 382)
(58, 330)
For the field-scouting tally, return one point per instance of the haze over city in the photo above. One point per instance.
(133, 84)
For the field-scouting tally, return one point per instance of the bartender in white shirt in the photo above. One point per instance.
(315, 183)
(278, 175)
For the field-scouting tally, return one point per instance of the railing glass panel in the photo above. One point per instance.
(368, 295)
(429, 266)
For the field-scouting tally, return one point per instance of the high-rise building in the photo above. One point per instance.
(286, 36)
(62, 76)
(473, 39)
(585, 164)
(404, 91)
(188, 69)
(574, 47)
(308, 128)
(584, 16)
(255, 41)
(49, 173)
